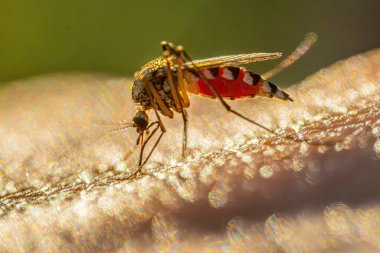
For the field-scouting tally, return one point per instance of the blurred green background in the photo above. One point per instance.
(119, 36)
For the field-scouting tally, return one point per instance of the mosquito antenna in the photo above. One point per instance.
(116, 130)
(302, 48)
(107, 123)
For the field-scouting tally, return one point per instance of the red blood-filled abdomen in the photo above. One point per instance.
(234, 89)
(234, 83)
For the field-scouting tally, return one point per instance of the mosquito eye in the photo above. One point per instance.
(141, 119)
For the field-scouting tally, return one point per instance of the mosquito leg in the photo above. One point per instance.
(184, 55)
(163, 130)
(151, 134)
(173, 87)
(186, 101)
(302, 48)
(181, 80)
(143, 143)
(141, 136)
(156, 98)
(184, 140)
(151, 151)
(229, 109)
(141, 163)
(178, 89)
(159, 121)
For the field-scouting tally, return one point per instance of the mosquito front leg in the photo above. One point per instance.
(153, 148)
(143, 143)
(173, 86)
(163, 130)
(159, 121)
(178, 89)
(181, 79)
(170, 49)
(156, 101)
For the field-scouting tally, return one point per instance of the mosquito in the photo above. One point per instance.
(163, 84)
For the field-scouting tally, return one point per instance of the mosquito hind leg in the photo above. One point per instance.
(182, 54)
(301, 49)
(229, 109)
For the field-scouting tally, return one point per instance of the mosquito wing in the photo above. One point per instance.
(232, 60)
(229, 60)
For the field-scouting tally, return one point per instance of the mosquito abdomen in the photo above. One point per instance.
(233, 83)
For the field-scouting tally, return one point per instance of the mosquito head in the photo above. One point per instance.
(140, 120)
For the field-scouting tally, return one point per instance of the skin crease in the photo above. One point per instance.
(65, 187)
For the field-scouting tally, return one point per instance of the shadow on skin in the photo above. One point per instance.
(239, 189)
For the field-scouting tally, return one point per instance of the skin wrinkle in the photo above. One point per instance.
(71, 185)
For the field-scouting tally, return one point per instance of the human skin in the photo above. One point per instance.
(65, 185)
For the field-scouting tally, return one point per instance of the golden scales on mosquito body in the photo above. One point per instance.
(162, 86)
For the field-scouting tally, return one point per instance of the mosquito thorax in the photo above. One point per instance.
(159, 79)
(141, 120)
